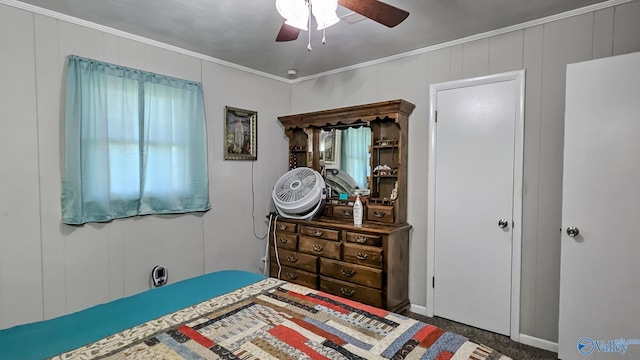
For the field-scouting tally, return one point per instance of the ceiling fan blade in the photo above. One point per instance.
(376, 10)
(287, 33)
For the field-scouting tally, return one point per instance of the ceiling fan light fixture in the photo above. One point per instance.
(325, 13)
(295, 12)
(325, 22)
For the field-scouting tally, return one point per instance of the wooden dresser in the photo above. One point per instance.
(367, 263)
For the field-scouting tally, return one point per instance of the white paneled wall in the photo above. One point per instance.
(626, 27)
(48, 269)
(20, 256)
(544, 51)
(232, 185)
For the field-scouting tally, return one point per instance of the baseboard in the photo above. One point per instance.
(539, 343)
(418, 309)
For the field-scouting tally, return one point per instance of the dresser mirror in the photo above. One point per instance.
(345, 155)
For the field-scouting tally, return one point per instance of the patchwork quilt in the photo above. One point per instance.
(274, 319)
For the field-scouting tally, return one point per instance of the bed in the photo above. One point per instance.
(236, 315)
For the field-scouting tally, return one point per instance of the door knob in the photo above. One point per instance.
(573, 231)
(502, 223)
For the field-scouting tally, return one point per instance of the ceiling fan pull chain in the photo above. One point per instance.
(324, 39)
(309, 43)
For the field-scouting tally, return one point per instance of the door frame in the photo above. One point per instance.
(516, 248)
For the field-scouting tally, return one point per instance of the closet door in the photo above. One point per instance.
(600, 267)
(474, 173)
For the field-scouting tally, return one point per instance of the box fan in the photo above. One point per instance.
(300, 194)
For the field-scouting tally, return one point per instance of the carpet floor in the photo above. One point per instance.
(501, 343)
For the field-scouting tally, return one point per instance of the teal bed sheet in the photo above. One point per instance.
(48, 338)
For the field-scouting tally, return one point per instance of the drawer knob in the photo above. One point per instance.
(347, 292)
(379, 214)
(292, 259)
(291, 276)
(283, 240)
(282, 227)
(362, 256)
(362, 239)
(348, 213)
(348, 272)
(318, 247)
(317, 233)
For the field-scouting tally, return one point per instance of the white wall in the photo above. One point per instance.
(544, 51)
(49, 269)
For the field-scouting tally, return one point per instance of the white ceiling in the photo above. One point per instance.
(243, 31)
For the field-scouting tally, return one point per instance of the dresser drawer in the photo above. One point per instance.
(351, 291)
(381, 213)
(286, 240)
(286, 226)
(317, 232)
(363, 255)
(320, 247)
(343, 212)
(295, 276)
(297, 260)
(358, 274)
(364, 239)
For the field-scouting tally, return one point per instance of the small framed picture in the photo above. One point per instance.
(240, 134)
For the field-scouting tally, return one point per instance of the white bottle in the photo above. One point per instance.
(357, 212)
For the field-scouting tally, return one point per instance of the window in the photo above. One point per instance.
(135, 144)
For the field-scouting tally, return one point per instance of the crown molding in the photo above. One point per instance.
(120, 33)
(109, 30)
(521, 26)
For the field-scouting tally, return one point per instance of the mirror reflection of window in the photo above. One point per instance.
(354, 154)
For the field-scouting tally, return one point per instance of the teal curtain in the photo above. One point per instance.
(354, 154)
(135, 144)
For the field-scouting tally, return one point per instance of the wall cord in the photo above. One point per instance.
(253, 207)
(275, 246)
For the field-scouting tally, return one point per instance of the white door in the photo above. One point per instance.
(475, 163)
(600, 266)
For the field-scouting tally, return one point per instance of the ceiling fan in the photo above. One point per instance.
(297, 14)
